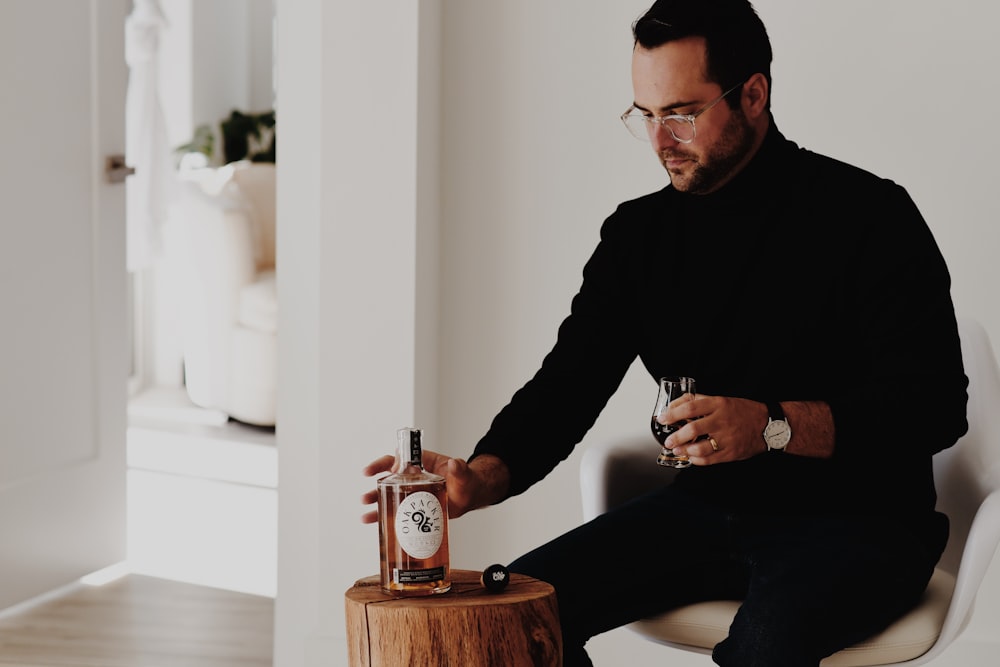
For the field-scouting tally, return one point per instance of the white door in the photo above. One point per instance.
(63, 353)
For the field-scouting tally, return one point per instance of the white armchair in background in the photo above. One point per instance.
(224, 259)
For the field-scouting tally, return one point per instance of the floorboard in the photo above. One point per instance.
(140, 621)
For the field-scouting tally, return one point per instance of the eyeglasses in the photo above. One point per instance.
(642, 125)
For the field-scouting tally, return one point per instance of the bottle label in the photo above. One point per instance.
(417, 576)
(415, 448)
(420, 524)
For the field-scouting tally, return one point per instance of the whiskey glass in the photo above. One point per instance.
(670, 389)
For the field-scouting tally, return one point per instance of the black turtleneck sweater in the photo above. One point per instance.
(802, 279)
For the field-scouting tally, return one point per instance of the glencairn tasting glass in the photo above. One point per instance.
(671, 388)
(413, 524)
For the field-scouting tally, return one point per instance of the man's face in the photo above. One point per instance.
(670, 79)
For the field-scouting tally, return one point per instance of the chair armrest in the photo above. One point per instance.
(613, 472)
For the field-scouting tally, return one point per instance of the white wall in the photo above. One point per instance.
(357, 251)
(532, 158)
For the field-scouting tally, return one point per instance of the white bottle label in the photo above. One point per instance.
(420, 524)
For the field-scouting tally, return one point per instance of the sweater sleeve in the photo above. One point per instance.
(911, 392)
(551, 413)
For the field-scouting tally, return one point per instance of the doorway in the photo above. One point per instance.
(202, 486)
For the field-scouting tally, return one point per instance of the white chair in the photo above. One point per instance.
(223, 251)
(968, 482)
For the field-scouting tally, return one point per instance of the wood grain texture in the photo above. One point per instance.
(141, 621)
(467, 626)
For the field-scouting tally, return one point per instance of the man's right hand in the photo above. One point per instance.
(470, 485)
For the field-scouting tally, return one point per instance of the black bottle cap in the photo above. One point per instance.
(495, 578)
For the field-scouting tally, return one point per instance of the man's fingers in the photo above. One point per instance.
(379, 465)
(461, 481)
(458, 469)
(370, 498)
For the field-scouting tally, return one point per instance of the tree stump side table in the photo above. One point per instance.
(465, 627)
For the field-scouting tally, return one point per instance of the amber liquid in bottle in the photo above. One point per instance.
(413, 524)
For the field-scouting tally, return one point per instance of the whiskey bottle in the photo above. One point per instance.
(413, 524)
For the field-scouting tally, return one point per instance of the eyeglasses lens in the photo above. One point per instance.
(642, 127)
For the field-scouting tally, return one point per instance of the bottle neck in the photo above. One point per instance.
(409, 450)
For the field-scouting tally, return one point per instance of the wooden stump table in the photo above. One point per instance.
(465, 627)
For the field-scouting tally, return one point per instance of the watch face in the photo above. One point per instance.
(777, 433)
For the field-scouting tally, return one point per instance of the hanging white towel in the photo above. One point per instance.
(151, 188)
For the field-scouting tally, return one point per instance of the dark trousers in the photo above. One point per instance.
(810, 585)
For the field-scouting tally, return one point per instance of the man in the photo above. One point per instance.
(800, 292)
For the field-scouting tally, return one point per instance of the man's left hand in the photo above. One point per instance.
(719, 429)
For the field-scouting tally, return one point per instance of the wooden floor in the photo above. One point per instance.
(139, 621)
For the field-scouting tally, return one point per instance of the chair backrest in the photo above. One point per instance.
(968, 472)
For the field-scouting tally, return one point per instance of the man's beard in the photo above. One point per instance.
(718, 164)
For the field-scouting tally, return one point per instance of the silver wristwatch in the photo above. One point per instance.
(778, 432)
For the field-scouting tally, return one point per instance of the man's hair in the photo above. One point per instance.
(736, 41)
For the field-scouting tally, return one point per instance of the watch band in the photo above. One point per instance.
(774, 411)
